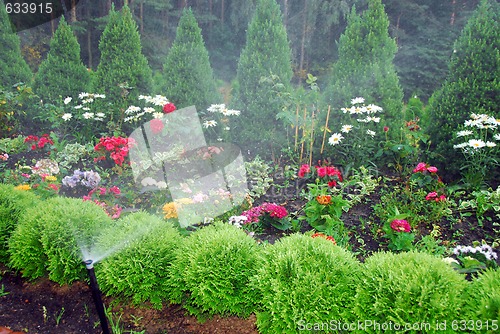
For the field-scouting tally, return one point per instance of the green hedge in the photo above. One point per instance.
(305, 281)
(13, 203)
(49, 235)
(483, 301)
(409, 288)
(212, 270)
(145, 247)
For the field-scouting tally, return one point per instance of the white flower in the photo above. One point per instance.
(358, 100)
(335, 139)
(83, 95)
(346, 128)
(497, 136)
(86, 108)
(78, 107)
(67, 100)
(450, 260)
(371, 133)
(231, 112)
(132, 109)
(161, 185)
(88, 115)
(464, 133)
(102, 96)
(89, 100)
(476, 143)
(100, 114)
(216, 108)
(462, 145)
(356, 110)
(371, 109)
(148, 181)
(490, 144)
(227, 128)
(157, 115)
(149, 110)
(67, 116)
(208, 124)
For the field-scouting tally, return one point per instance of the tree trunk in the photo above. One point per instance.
(303, 41)
(73, 11)
(285, 14)
(89, 39)
(453, 4)
(141, 17)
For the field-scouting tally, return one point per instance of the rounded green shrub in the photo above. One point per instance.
(408, 288)
(483, 299)
(50, 235)
(212, 270)
(13, 203)
(305, 281)
(144, 248)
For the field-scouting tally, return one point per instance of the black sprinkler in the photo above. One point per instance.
(96, 294)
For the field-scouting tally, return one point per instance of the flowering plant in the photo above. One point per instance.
(472, 259)
(89, 179)
(217, 121)
(35, 142)
(265, 216)
(325, 173)
(398, 231)
(40, 178)
(154, 108)
(117, 147)
(106, 198)
(479, 148)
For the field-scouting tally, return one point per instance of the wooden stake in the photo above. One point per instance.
(312, 140)
(303, 134)
(324, 131)
(296, 128)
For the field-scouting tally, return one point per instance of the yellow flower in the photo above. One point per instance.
(169, 210)
(50, 178)
(23, 187)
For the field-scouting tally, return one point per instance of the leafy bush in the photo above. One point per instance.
(212, 270)
(408, 288)
(483, 298)
(139, 271)
(49, 235)
(13, 203)
(304, 280)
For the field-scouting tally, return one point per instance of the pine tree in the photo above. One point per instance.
(365, 67)
(263, 75)
(187, 76)
(472, 85)
(123, 72)
(62, 73)
(13, 67)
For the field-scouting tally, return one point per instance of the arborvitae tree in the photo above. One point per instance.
(472, 85)
(264, 74)
(62, 73)
(365, 67)
(123, 72)
(187, 76)
(13, 67)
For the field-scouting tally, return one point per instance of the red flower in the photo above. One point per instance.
(156, 126)
(421, 167)
(400, 225)
(168, 108)
(386, 129)
(304, 169)
(432, 169)
(115, 190)
(322, 171)
(332, 184)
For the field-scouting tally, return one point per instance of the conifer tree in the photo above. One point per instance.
(187, 76)
(472, 84)
(13, 67)
(123, 72)
(365, 66)
(263, 75)
(62, 73)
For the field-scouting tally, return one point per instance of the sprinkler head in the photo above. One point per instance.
(89, 264)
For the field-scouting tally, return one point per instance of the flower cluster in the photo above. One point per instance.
(135, 113)
(104, 197)
(400, 225)
(482, 123)
(324, 236)
(424, 175)
(237, 221)
(4, 157)
(38, 142)
(89, 179)
(117, 146)
(86, 99)
(422, 167)
(330, 173)
(433, 196)
(273, 210)
(219, 114)
(484, 249)
(45, 167)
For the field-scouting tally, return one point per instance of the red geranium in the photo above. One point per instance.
(117, 146)
(400, 225)
(156, 126)
(169, 107)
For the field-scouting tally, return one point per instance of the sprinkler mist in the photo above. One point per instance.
(96, 294)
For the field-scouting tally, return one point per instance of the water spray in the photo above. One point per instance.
(96, 294)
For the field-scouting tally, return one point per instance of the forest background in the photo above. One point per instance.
(424, 30)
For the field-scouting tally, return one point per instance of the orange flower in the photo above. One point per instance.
(327, 237)
(324, 199)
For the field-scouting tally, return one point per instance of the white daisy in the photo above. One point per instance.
(346, 128)
(67, 100)
(335, 139)
(462, 145)
(371, 133)
(497, 136)
(464, 133)
(67, 116)
(358, 100)
(476, 143)
(83, 95)
(209, 124)
(490, 144)
(88, 115)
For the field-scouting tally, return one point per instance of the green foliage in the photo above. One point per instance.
(408, 287)
(264, 73)
(212, 270)
(123, 72)
(472, 85)
(258, 176)
(365, 65)
(483, 298)
(304, 280)
(139, 270)
(17, 110)
(62, 73)
(48, 236)
(482, 202)
(13, 203)
(13, 67)
(187, 76)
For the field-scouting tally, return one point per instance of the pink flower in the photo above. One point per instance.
(421, 167)
(156, 126)
(304, 169)
(115, 190)
(322, 171)
(400, 225)
(432, 169)
(430, 196)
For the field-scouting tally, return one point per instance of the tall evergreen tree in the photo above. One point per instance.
(365, 66)
(472, 84)
(123, 72)
(62, 73)
(187, 75)
(264, 74)
(13, 67)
